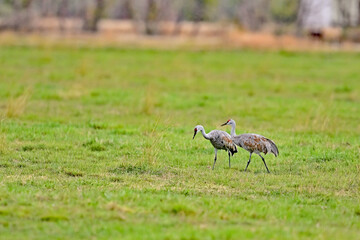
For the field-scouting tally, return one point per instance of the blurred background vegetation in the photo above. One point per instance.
(338, 19)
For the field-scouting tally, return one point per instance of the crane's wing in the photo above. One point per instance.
(229, 144)
(256, 142)
(273, 147)
(222, 140)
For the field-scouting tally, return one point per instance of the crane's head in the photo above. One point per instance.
(229, 122)
(196, 129)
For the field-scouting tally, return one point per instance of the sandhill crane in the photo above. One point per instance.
(253, 143)
(219, 139)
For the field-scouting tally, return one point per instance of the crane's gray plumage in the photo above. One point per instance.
(256, 143)
(220, 140)
(253, 143)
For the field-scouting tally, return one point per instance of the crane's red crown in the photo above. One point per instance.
(228, 120)
(195, 129)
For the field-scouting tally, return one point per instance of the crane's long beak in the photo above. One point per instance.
(195, 131)
(224, 124)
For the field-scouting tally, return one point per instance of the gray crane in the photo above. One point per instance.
(253, 143)
(220, 140)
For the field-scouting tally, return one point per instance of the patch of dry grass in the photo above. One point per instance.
(149, 101)
(15, 106)
(231, 39)
(3, 143)
(77, 90)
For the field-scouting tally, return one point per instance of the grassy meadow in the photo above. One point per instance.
(96, 143)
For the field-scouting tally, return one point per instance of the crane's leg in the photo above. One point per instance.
(229, 159)
(264, 163)
(248, 162)
(214, 159)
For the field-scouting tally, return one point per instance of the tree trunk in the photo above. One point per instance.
(22, 17)
(300, 17)
(358, 13)
(199, 15)
(62, 13)
(92, 21)
(151, 18)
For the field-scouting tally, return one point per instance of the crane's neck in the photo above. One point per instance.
(206, 136)
(233, 130)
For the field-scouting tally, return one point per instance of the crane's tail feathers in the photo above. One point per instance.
(233, 150)
(274, 148)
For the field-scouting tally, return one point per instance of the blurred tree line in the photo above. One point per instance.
(147, 14)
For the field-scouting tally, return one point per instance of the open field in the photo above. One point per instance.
(96, 144)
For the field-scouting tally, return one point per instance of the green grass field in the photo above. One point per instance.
(96, 143)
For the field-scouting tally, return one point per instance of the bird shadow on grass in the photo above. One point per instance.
(53, 218)
(136, 170)
(259, 172)
(73, 173)
(33, 147)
